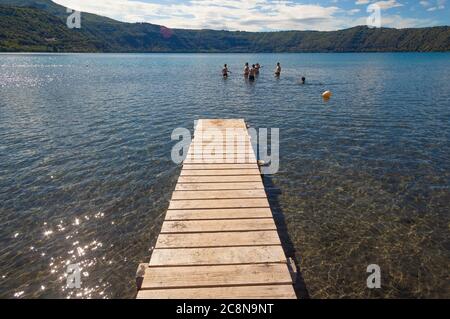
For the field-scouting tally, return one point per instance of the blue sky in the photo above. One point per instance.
(268, 15)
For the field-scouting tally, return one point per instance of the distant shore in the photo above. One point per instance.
(44, 29)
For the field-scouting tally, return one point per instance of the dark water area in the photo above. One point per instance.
(86, 173)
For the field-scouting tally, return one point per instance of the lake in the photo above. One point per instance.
(86, 173)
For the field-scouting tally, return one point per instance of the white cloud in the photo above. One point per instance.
(251, 15)
(353, 11)
(248, 15)
(434, 6)
(384, 5)
(396, 21)
(388, 4)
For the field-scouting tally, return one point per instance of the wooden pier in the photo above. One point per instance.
(219, 239)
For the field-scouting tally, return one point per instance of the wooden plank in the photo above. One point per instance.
(210, 276)
(220, 172)
(220, 194)
(199, 226)
(236, 292)
(219, 186)
(222, 129)
(218, 239)
(236, 126)
(228, 127)
(219, 166)
(224, 146)
(220, 149)
(219, 203)
(232, 123)
(224, 142)
(238, 123)
(220, 134)
(222, 152)
(223, 213)
(243, 140)
(217, 256)
(215, 179)
(225, 157)
(206, 153)
(219, 160)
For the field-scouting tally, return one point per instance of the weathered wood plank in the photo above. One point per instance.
(220, 154)
(217, 256)
(219, 166)
(219, 186)
(212, 130)
(220, 135)
(219, 161)
(199, 226)
(210, 276)
(220, 172)
(236, 292)
(222, 143)
(219, 150)
(237, 123)
(222, 147)
(223, 213)
(219, 203)
(218, 239)
(215, 179)
(220, 194)
(227, 158)
(223, 129)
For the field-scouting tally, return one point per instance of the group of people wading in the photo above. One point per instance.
(250, 73)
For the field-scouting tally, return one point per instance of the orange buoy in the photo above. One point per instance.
(327, 94)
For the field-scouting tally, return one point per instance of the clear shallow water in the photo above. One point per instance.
(85, 170)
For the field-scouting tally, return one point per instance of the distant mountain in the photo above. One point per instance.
(40, 26)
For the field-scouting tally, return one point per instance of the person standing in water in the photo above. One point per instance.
(225, 71)
(278, 70)
(257, 67)
(246, 70)
(252, 73)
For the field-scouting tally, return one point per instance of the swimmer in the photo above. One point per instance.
(225, 71)
(278, 70)
(246, 70)
(252, 73)
(257, 66)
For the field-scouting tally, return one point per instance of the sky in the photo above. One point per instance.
(268, 15)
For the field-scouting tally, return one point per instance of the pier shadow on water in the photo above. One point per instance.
(273, 194)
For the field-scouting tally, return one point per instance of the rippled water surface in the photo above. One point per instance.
(86, 175)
